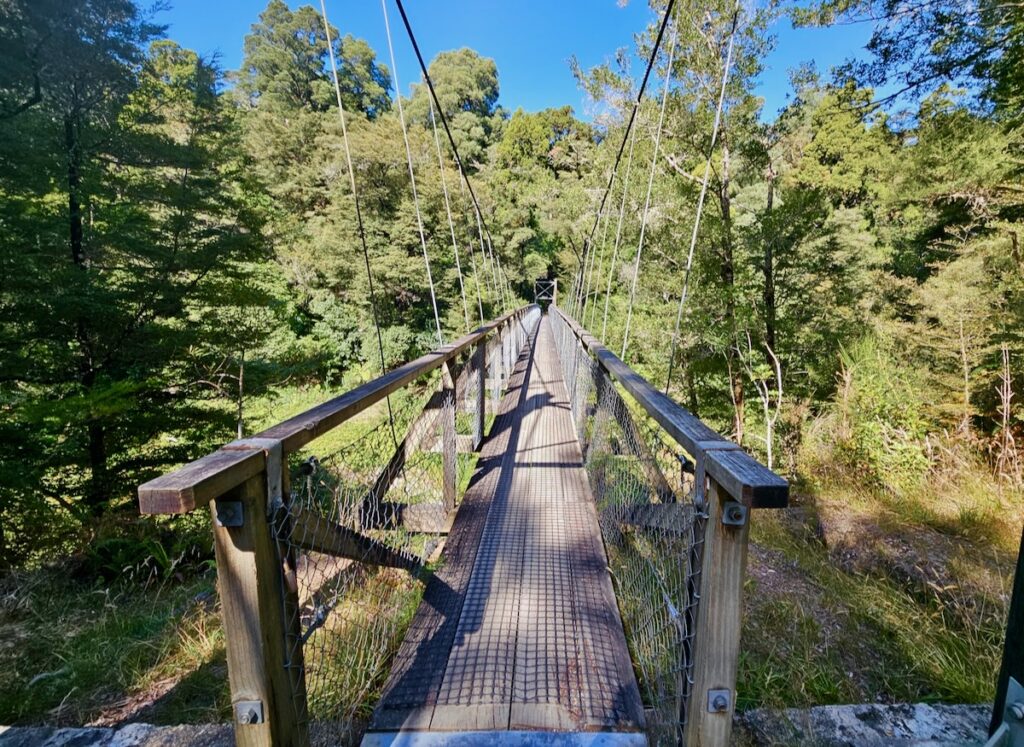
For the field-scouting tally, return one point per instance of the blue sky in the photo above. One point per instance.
(531, 40)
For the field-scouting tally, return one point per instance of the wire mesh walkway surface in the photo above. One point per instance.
(519, 630)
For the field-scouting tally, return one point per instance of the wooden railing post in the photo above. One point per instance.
(264, 670)
(449, 445)
(716, 643)
(480, 366)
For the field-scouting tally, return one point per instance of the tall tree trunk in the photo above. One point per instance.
(240, 422)
(74, 154)
(768, 295)
(96, 493)
(729, 281)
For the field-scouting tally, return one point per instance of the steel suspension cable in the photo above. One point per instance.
(618, 235)
(632, 117)
(703, 193)
(444, 119)
(412, 174)
(359, 214)
(650, 187)
(448, 211)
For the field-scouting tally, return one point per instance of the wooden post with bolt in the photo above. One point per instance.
(717, 634)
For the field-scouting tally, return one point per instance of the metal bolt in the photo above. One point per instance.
(1017, 709)
(244, 718)
(735, 513)
(720, 703)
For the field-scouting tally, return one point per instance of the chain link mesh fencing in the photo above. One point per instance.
(381, 499)
(652, 523)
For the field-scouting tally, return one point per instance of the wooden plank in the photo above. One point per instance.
(301, 429)
(200, 481)
(716, 645)
(746, 479)
(485, 717)
(740, 473)
(1013, 646)
(316, 533)
(252, 607)
(519, 626)
(192, 485)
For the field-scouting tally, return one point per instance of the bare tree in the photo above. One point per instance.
(1007, 459)
(767, 380)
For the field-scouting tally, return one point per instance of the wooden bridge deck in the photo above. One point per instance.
(519, 629)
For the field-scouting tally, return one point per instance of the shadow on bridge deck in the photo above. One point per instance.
(518, 631)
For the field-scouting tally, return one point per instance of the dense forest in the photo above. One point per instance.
(180, 257)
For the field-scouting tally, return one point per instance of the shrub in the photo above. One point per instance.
(877, 426)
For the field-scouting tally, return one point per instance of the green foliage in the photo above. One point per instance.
(881, 426)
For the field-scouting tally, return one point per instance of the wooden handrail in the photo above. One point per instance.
(739, 474)
(198, 482)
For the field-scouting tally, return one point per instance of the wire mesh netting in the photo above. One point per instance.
(364, 518)
(653, 530)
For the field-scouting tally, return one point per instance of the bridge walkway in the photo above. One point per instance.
(519, 629)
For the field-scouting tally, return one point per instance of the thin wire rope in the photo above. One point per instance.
(590, 274)
(448, 212)
(444, 119)
(412, 174)
(483, 251)
(600, 269)
(476, 280)
(703, 193)
(618, 236)
(650, 187)
(632, 118)
(359, 212)
(505, 286)
(483, 257)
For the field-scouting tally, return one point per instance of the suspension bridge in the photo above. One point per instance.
(514, 539)
(587, 583)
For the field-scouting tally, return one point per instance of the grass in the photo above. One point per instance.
(76, 652)
(860, 595)
(856, 594)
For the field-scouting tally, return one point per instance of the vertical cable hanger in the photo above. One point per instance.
(599, 270)
(412, 174)
(448, 212)
(472, 260)
(590, 273)
(650, 186)
(629, 127)
(618, 235)
(703, 193)
(359, 214)
(447, 129)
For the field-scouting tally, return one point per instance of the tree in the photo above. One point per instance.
(467, 89)
(111, 238)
